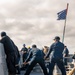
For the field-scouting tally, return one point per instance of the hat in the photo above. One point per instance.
(24, 45)
(34, 46)
(57, 38)
(28, 46)
(3, 34)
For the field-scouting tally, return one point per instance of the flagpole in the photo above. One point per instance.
(65, 24)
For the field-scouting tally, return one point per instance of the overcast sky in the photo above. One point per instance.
(35, 21)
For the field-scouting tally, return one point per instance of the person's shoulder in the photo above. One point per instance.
(52, 44)
(4, 38)
(26, 48)
(39, 49)
(22, 49)
(7, 37)
(31, 51)
(61, 43)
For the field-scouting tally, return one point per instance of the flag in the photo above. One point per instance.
(62, 14)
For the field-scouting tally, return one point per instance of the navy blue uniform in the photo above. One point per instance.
(65, 54)
(56, 57)
(10, 53)
(25, 53)
(36, 56)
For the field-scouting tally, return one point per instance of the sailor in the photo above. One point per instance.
(56, 56)
(35, 56)
(9, 51)
(65, 55)
(24, 50)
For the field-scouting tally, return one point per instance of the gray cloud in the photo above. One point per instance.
(34, 21)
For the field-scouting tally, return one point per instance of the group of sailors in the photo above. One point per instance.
(32, 56)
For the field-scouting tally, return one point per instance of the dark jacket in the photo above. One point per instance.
(8, 46)
(35, 54)
(66, 52)
(24, 49)
(16, 50)
(56, 51)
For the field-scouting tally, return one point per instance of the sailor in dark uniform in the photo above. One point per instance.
(56, 56)
(24, 50)
(65, 54)
(35, 56)
(9, 51)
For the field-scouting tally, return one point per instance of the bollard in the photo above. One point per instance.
(3, 66)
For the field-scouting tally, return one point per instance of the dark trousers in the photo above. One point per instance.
(65, 61)
(60, 65)
(11, 63)
(25, 56)
(17, 70)
(33, 63)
